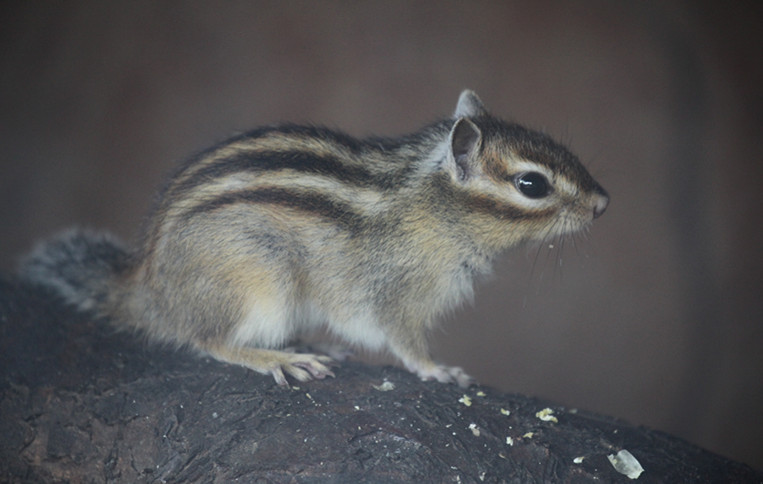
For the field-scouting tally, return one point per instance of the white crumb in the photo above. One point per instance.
(626, 464)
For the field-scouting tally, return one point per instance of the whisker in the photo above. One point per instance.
(551, 241)
(555, 240)
(543, 243)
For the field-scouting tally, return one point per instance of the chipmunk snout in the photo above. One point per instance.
(600, 203)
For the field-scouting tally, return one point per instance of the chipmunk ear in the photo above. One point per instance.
(469, 105)
(464, 140)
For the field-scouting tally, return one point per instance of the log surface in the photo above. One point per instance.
(82, 403)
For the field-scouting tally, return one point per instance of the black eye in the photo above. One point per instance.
(532, 184)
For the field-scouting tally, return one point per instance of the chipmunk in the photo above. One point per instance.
(286, 229)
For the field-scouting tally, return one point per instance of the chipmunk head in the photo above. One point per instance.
(511, 174)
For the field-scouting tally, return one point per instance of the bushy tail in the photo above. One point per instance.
(77, 264)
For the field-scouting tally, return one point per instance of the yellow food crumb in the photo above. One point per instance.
(385, 387)
(547, 415)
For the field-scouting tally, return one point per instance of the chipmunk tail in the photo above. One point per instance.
(78, 265)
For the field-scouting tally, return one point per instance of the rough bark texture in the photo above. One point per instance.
(80, 403)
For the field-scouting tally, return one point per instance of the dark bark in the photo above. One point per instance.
(81, 403)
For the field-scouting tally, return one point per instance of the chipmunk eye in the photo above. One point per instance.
(532, 184)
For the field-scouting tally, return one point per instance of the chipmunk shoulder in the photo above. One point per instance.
(287, 229)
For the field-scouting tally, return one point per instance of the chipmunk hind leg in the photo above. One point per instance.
(273, 317)
(302, 366)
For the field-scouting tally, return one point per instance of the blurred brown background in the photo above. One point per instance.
(655, 317)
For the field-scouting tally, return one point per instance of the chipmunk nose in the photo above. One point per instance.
(600, 203)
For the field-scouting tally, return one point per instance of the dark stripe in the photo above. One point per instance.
(482, 203)
(495, 168)
(300, 161)
(304, 201)
(504, 211)
(392, 173)
(318, 132)
(537, 147)
(526, 143)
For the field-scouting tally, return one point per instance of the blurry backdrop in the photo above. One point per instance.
(655, 317)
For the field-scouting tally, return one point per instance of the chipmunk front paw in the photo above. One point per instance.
(446, 374)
